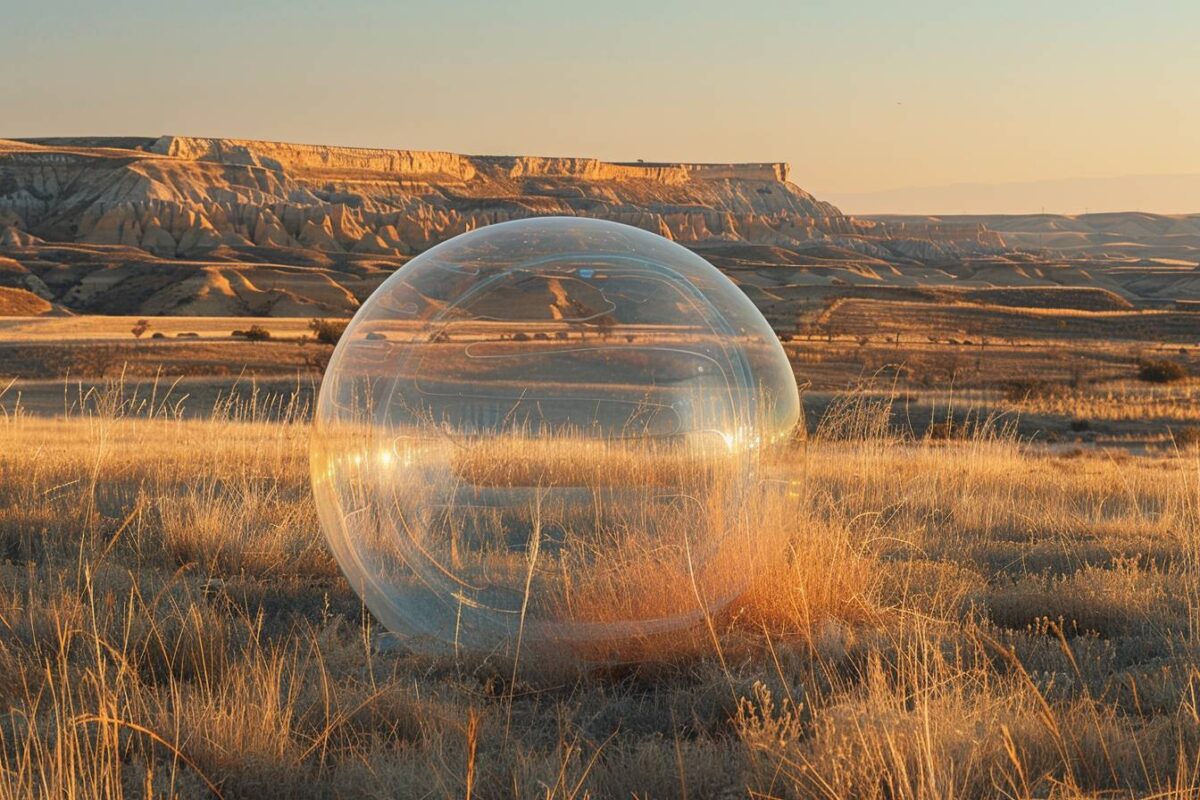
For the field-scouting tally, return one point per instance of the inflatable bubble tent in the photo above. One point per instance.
(549, 433)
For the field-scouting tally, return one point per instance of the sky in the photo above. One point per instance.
(865, 100)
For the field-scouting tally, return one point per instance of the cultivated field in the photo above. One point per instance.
(970, 616)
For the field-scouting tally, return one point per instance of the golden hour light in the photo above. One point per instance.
(608, 400)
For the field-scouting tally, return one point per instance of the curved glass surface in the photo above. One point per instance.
(546, 433)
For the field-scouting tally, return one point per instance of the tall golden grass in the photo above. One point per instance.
(947, 619)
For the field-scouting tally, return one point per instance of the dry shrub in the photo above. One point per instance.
(1122, 597)
(327, 331)
(801, 596)
(248, 527)
(1161, 371)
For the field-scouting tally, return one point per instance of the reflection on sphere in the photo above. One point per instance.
(548, 434)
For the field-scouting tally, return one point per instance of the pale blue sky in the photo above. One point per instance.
(858, 96)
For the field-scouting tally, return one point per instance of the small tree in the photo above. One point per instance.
(255, 333)
(327, 331)
(140, 328)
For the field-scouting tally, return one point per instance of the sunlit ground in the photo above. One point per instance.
(946, 617)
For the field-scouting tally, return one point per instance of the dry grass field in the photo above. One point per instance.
(963, 617)
(103, 328)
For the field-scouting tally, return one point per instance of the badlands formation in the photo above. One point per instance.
(195, 226)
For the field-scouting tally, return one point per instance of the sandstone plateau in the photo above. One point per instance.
(198, 226)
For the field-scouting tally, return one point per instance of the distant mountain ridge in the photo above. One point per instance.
(282, 155)
(182, 196)
(191, 225)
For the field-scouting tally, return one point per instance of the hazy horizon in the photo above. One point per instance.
(859, 98)
(1154, 194)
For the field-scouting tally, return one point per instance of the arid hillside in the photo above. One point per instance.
(1150, 255)
(218, 227)
(210, 226)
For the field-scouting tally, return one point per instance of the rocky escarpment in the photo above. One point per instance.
(201, 225)
(184, 196)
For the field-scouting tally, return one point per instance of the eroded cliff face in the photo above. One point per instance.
(410, 163)
(283, 156)
(212, 207)
(184, 196)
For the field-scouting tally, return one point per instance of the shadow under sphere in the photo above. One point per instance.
(548, 434)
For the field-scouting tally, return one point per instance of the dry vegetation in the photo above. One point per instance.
(965, 619)
(1116, 401)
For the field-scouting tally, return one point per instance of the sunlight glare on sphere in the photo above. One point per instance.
(549, 434)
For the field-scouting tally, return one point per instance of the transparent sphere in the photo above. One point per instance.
(548, 434)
